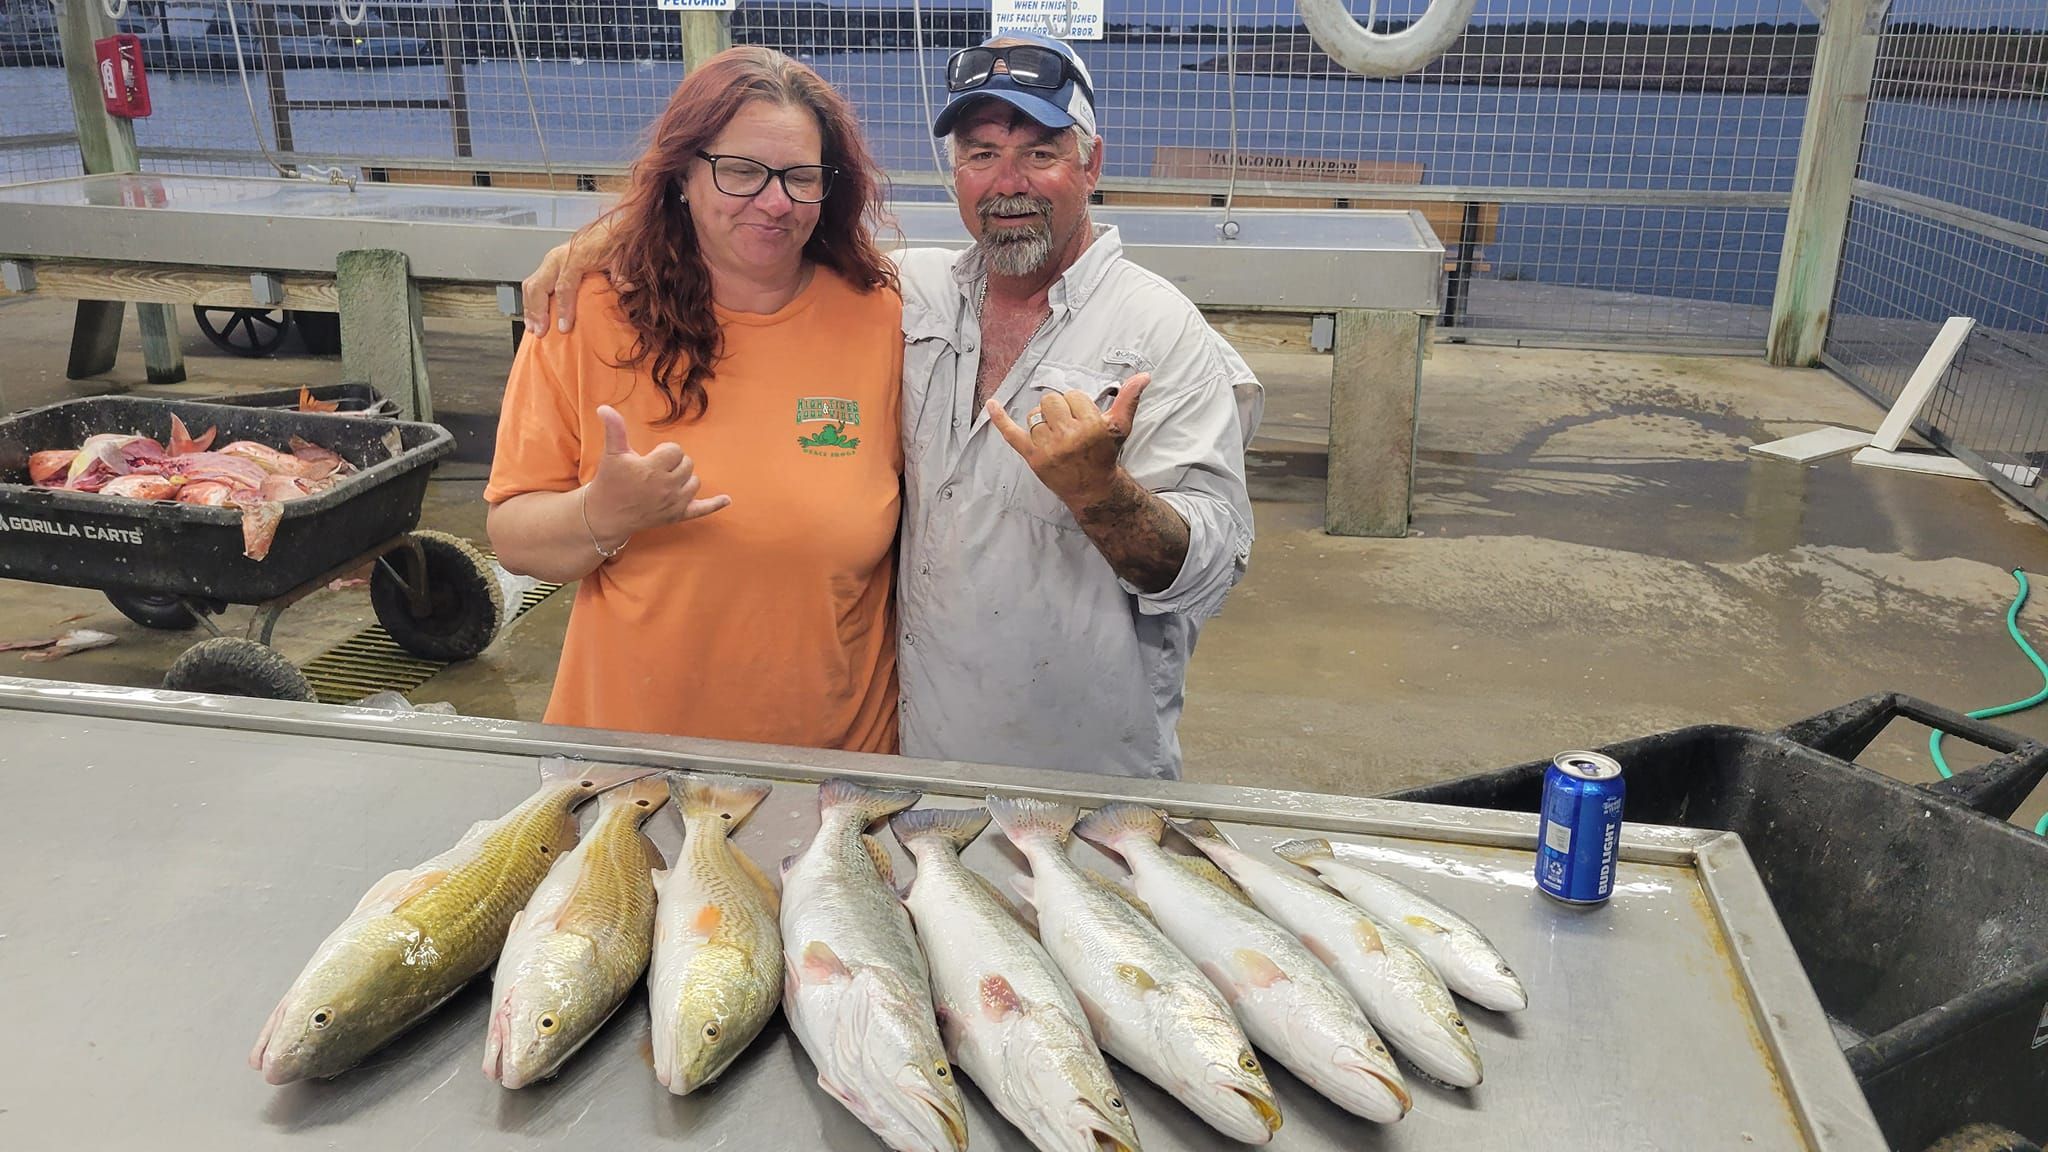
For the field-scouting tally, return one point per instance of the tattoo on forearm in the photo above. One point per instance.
(1143, 537)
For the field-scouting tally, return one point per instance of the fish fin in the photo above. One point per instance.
(1136, 977)
(648, 793)
(1206, 869)
(1098, 1020)
(1004, 903)
(654, 861)
(589, 776)
(788, 862)
(1220, 979)
(1025, 818)
(1304, 851)
(1319, 950)
(385, 889)
(1259, 969)
(705, 923)
(954, 827)
(183, 443)
(1108, 825)
(879, 853)
(998, 999)
(413, 885)
(1199, 830)
(729, 798)
(761, 881)
(1426, 924)
(821, 965)
(1367, 935)
(870, 804)
(1026, 889)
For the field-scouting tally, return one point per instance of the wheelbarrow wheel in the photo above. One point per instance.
(464, 601)
(159, 610)
(243, 331)
(233, 666)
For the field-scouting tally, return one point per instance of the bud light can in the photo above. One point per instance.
(1579, 837)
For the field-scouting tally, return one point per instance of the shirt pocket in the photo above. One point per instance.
(929, 356)
(1029, 496)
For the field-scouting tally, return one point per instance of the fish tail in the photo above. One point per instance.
(868, 804)
(589, 777)
(956, 828)
(1025, 818)
(1201, 831)
(1113, 824)
(1304, 851)
(647, 793)
(729, 798)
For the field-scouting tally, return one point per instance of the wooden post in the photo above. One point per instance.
(1374, 385)
(706, 33)
(454, 54)
(1844, 62)
(382, 338)
(106, 144)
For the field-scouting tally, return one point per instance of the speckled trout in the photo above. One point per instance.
(1290, 1005)
(579, 945)
(1401, 994)
(1458, 950)
(419, 934)
(1008, 1018)
(856, 990)
(717, 972)
(1148, 1004)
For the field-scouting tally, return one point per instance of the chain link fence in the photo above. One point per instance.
(1950, 218)
(1602, 170)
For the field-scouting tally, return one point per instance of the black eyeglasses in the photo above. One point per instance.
(739, 176)
(1028, 64)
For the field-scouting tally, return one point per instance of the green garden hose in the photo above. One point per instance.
(2012, 627)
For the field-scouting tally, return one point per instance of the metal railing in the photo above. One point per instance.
(1950, 218)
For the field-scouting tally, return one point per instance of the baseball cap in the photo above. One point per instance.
(1071, 104)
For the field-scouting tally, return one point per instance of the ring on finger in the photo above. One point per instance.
(1035, 420)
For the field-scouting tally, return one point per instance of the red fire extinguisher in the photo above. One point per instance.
(123, 84)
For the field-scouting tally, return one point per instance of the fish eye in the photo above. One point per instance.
(940, 1070)
(322, 1017)
(1115, 1105)
(641, 803)
(711, 1031)
(548, 1024)
(725, 815)
(543, 849)
(1457, 1022)
(1248, 1062)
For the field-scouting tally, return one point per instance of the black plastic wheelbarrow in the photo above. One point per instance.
(1918, 912)
(173, 566)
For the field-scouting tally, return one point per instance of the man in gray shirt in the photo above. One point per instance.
(1062, 542)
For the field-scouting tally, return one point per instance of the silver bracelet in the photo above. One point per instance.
(583, 506)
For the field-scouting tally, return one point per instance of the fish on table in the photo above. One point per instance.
(419, 934)
(716, 977)
(1006, 1015)
(580, 943)
(1289, 1003)
(1453, 945)
(1147, 1003)
(856, 989)
(1401, 994)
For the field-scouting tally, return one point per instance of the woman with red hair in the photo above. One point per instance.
(713, 449)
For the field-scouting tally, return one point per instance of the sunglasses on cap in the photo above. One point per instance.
(1029, 66)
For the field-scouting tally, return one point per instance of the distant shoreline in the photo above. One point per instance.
(1774, 60)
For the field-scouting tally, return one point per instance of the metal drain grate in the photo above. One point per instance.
(371, 661)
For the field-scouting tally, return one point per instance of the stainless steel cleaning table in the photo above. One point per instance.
(171, 860)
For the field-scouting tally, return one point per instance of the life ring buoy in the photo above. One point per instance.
(1368, 53)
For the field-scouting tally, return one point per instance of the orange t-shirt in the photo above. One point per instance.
(772, 620)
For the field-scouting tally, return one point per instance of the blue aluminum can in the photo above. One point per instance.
(1579, 838)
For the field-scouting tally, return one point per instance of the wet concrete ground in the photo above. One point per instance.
(1595, 555)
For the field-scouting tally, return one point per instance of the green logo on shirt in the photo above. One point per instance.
(835, 414)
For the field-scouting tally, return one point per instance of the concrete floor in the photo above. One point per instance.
(1595, 555)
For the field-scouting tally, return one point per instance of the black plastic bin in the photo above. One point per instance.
(112, 544)
(352, 397)
(1918, 912)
